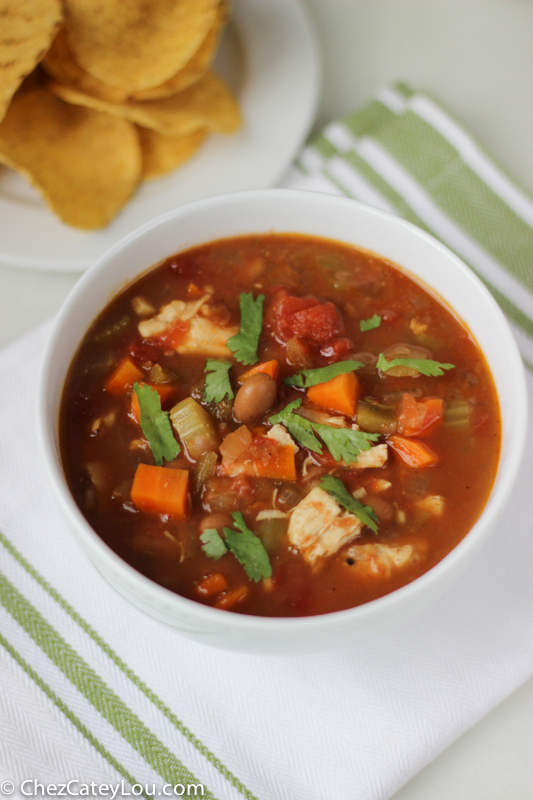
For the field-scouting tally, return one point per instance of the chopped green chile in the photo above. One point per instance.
(375, 417)
(271, 533)
(297, 549)
(194, 427)
(205, 468)
(159, 375)
(112, 330)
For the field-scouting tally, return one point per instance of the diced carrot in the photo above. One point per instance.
(278, 465)
(413, 453)
(122, 377)
(164, 390)
(340, 394)
(268, 367)
(417, 418)
(231, 599)
(161, 490)
(213, 584)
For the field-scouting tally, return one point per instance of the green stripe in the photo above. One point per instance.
(460, 192)
(404, 90)
(404, 210)
(377, 182)
(222, 769)
(369, 118)
(93, 688)
(67, 711)
(324, 146)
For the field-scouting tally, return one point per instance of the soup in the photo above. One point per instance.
(279, 425)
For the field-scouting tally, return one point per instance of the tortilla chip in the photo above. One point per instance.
(27, 28)
(195, 67)
(59, 63)
(136, 44)
(206, 104)
(162, 154)
(85, 164)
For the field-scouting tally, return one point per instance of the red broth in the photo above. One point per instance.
(431, 463)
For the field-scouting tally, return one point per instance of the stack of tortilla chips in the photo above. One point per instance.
(98, 95)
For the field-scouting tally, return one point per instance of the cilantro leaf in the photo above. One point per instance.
(248, 549)
(213, 544)
(321, 375)
(299, 427)
(217, 382)
(424, 365)
(155, 424)
(244, 344)
(344, 444)
(370, 323)
(336, 488)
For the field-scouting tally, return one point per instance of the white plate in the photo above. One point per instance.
(269, 56)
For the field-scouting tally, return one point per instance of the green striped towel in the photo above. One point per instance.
(98, 694)
(404, 154)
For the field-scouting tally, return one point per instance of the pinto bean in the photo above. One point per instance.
(255, 397)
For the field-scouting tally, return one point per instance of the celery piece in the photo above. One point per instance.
(195, 427)
(457, 414)
(205, 468)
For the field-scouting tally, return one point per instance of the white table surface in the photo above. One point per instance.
(476, 56)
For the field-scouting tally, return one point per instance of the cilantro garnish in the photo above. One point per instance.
(244, 344)
(299, 427)
(217, 382)
(213, 544)
(336, 488)
(155, 425)
(322, 375)
(370, 323)
(247, 548)
(423, 365)
(344, 444)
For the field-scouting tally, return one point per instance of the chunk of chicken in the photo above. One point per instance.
(280, 434)
(201, 335)
(379, 560)
(375, 457)
(319, 527)
(433, 504)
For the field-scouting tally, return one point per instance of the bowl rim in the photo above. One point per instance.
(242, 623)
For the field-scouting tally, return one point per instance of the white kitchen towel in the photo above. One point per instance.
(95, 693)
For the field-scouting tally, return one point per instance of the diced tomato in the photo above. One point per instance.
(338, 349)
(419, 418)
(144, 351)
(175, 333)
(304, 316)
(264, 458)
